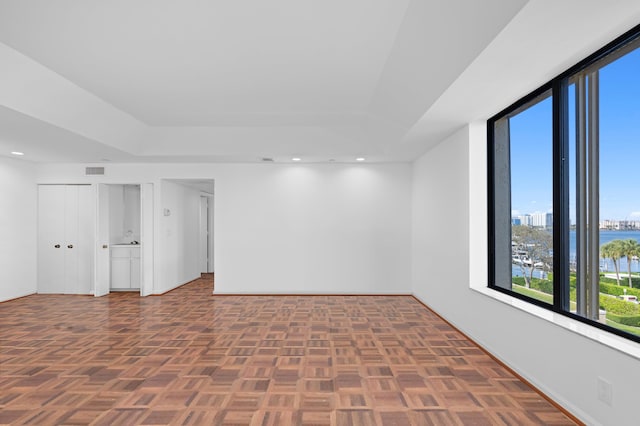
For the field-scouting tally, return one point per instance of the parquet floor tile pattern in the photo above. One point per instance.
(190, 358)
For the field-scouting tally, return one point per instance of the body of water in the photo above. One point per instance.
(606, 265)
(605, 237)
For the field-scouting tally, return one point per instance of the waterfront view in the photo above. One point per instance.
(606, 264)
(618, 281)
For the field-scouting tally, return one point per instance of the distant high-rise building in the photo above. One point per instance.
(542, 220)
(524, 219)
(536, 220)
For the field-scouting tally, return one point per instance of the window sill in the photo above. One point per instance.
(621, 344)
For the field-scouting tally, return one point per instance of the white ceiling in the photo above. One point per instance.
(201, 63)
(44, 142)
(197, 80)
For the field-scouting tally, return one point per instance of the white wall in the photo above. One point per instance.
(314, 228)
(116, 214)
(286, 228)
(450, 255)
(440, 225)
(131, 206)
(124, 213)
(212, 230)
(18, 237)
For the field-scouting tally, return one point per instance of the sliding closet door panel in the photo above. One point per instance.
(71, 261)
(102, 266)
(85, 239)
(51, 239)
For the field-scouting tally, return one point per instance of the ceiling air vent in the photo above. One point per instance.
(267, 160)
(94, 171)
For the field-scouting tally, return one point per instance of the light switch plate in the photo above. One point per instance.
(605, 391)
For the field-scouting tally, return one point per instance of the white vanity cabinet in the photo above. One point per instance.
(125, 267)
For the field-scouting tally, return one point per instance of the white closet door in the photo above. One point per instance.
(84, 240)
(71, 231)
(51, 239)
(65, 239)
(102, 266)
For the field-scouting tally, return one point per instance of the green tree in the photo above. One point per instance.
(629, 248)
(613, 250)
(532, 250)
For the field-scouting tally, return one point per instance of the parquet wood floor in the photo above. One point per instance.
(190, 358)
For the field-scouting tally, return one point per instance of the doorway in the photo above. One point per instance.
(125, 238)
(186, 229)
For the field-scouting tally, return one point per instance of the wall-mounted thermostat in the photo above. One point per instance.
(167, 212)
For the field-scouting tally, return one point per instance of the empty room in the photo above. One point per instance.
(299, 212)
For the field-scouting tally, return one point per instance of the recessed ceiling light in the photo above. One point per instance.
(295, 159)
(17, 153)
(360, 159)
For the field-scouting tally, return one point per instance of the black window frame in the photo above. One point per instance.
(558, 87)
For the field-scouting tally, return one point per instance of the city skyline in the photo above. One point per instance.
(515, 213)
(545, 220)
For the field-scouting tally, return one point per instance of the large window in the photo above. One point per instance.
(564, 188)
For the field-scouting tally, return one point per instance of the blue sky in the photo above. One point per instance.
(531, 157)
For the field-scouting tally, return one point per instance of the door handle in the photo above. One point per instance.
(70, 246)
(57, 246)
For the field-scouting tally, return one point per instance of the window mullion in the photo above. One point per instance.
(560, 196)
(593, 280)
(581, 195)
